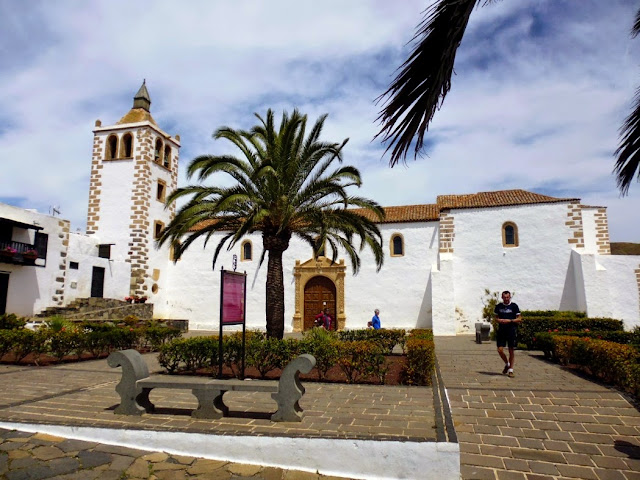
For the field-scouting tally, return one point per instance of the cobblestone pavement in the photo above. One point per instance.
(546, 423)
(83, 394)
(36, 456)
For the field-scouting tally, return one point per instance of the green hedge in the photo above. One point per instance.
(611, 362)
(553, 313)
(420, 361)
(531, 325)
(361, 356)
(60, 338)
(386, 338)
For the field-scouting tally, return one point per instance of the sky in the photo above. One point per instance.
(540, 92)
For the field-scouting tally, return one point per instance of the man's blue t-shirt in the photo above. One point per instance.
(507, 312)
(375, 322)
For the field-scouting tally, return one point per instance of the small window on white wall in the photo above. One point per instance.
(509, 234)
(246, 253)
(397, 245)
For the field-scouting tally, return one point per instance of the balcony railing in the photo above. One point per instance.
(16, 253)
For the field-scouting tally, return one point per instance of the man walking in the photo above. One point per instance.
(375, 321)
(508, 317)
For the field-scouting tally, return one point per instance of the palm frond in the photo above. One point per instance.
(627, 164)
(635, 30)
(420, 87)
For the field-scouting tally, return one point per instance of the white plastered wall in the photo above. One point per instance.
(83, 249)
(610, 287)
(535, 270)
(115, 203)
(399, 290)
(32, 288)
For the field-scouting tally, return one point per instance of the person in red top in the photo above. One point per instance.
(323, 319)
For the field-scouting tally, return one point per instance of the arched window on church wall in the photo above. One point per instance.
(112, 147)
(397, 245)
(167, 156)
(126, 147)
(509, 235)
(157, 153)
(246, 253)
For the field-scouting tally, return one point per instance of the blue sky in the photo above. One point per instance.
(540, 91)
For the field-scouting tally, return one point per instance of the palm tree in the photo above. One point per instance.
(418, 90)
(283, 187)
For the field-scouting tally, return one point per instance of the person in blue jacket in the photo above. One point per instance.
(375, 321)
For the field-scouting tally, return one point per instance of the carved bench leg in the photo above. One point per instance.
(143, 400)
(210, 404)
(289, 409)
(133, 369)
(290, 390)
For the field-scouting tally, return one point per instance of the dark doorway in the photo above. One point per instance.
(319, 293)
(97, 282)
(4, 289)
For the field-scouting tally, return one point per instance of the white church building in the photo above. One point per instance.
(553, 253)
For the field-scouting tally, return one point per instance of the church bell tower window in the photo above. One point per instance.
(112, 147)
(167, 156)
(157, 154)
(127, 146)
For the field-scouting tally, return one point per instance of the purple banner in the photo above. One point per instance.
(233, 285)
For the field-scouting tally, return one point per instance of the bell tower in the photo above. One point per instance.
(133, 168)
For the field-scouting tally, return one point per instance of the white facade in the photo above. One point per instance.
(53, 280)
(551, 253)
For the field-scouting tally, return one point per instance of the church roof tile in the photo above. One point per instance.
(430, 212)
(500, 198)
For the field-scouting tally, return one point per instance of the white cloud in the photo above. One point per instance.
(540, 92)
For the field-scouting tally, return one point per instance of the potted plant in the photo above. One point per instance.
(8, 251)
(30, 254)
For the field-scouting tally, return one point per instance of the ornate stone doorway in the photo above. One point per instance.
(325, 282)
(319, 293)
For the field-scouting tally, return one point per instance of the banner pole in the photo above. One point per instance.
(220, 336)
(244, 321)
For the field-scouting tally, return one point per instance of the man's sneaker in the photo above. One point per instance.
(505, 369)
(511, 374)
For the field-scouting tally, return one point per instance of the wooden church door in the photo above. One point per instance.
(319, 293)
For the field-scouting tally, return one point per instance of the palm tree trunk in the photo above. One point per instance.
(275, 245)
(275, 295)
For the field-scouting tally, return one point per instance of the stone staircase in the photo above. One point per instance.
(100, 309)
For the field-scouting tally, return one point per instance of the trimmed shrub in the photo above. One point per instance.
(420, 361)
(423, 333)
(553, 314)
(65, 342)
(531, 325)
(544, 340)
(386, 338)
(266, 354)
(199, 352)
(609, 361)
(157, 335)
(361, 358)
(10, 321)
(28, 342)
(323, 345)
(170, 355)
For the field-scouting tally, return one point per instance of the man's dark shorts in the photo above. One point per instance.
(507, 334)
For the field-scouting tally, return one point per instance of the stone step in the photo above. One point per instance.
(100, 308)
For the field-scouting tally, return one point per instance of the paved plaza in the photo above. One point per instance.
(546, 423)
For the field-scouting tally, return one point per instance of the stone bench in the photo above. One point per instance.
(136, 384)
